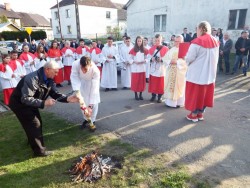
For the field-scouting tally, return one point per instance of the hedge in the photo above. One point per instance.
(21, 35)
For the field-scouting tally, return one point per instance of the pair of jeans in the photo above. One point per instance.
(237, 61)
(226, 60)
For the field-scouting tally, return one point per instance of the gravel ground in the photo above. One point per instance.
(216, 149)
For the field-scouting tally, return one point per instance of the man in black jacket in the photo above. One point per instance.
(226, 45)
(32, 93)
(242, 47)
(186, 36)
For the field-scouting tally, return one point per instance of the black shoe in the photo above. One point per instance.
(84, 124)
(140, 97)
(92, 127)
(159, 100)
(227, 73)
(147, 80)
(107, 89)
(114, 89)
(136, 97)
(245, 74)
(232, 73)
(58, 85)
(152, 98)
(45, 154)
(69, 82)
(124, 88)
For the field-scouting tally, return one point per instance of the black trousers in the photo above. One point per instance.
(31, 122)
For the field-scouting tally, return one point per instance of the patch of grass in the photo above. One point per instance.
(140, 167)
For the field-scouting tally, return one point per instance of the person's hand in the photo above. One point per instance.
(13, 76)
(72, 99)
(110, 56)
(107, 61)
(242, 49)
(174, 61)
(50, 102)
(159, 59)
(221, 52)
(32, 63)
(88, 112)
(153, 59)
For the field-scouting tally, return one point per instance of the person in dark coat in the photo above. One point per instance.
(99, 44)
(226, 45)
(32, 93)
(186, 36)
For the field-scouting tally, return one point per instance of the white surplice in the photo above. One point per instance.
(109, 70)
(88, 84)
(125, 60)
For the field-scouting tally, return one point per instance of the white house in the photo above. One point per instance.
(169, 17)
(96, 17)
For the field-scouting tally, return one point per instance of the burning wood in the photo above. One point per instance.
(91, 168)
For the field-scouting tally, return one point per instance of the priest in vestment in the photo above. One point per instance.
(109, 71)
(175, 80)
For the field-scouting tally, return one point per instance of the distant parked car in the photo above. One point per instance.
(4, 49)
(87, 41)
(10, 44)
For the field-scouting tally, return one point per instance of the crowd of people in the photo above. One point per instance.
(181, 80)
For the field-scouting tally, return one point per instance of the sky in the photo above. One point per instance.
(41, 7)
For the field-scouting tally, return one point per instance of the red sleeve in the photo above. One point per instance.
(2, 67)
(132, 52)
(146, 51)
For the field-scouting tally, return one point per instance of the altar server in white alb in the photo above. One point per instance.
(125, 60)
(7, 78)
(69, 57)
(145, 44)
(82, 50)
(20, 69)
(96, 56)
(85, 77)
(109, 71)
(41, 57)
(28, 59)
(138, 68)
(175, 79)
(157, 69)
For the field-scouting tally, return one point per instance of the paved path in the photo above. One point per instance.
(216, 149)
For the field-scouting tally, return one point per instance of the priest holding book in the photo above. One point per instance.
(176, 69)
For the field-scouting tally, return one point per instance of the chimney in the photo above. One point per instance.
(7, 6)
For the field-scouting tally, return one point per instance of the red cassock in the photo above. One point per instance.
(156, 81)
(68, 62)
(198, 96)
(56, 53)
(8, 86)
(138, 72)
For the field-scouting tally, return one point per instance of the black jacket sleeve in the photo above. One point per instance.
(28, 91)
(57, 96)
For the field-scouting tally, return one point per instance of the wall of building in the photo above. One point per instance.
(180, 14)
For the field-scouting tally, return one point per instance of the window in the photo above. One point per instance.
(69, 29)
(57, 29)
(237, 19)
(67, 13)
(56, 15)
(160, 23)
(108, 14)
(108, 29)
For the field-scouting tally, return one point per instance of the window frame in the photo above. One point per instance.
(108, 14)
(162, 28)
(69, 29)
(234, 16)
(67, 13)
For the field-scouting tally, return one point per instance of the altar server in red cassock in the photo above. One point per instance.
(55, 54)
(20, 69)
(138, 68)
(41, 57)
(157, 69)
(96, 56)
(82, 50)
(28, 59)
(7, 78)
(202, 59)
(69, 57)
